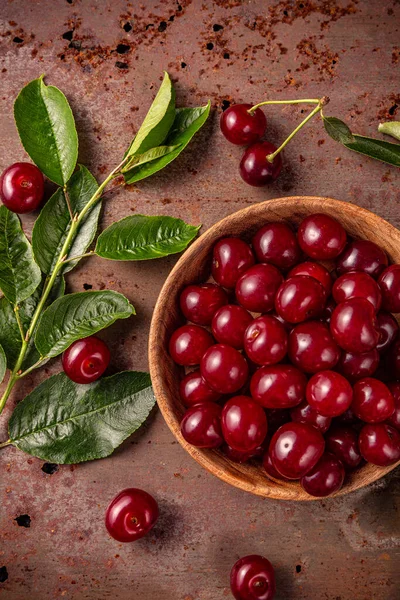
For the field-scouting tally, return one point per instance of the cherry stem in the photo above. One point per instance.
(4, 444)
(301, 101)
(79, 256)
(68, 201)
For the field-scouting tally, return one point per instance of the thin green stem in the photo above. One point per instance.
(68, 201)
(4, 444)
(18, 318)
(301, 101)
(32, 368)
(78, 257)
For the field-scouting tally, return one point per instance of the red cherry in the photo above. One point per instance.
(255, 169)
(201, 425)
(242, 457)
(276, 244)
(300, 298)
(21, 187)
(199, 303)
(354, 326)
(229, 325)
(342, 441)
(224, 369)
(394, 419)
(256, 288)
(380, 444)
(389, 282)
(357, 366)
(270, 469)
(373, 401)
(265, 341)
(194, 389)
(329, 393)
(388, 330)
(325, 478)
(295, 449)
(241, 127)
(278, 386)
(393, 360)
(244, 424)
(253, 578)
(347, 418)
(188, 344)
(231, 258)
(131, 515)
(304, 413)
(311, 347)
(315, 270)
(362, 255)
(86, 360)
(321, 236)
(357, 285)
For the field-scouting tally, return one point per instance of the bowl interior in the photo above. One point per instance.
(193, 267)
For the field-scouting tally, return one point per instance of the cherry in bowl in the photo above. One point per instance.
(86, 360)
(325, 478)
(265, 341)
(201, 425)
(199, 303)
(321, 236)
(357, 285)
(389, 283)
(362, 255)
(300, 298)
(231, 257)
(278, 386)
(295, 449)
(329, 393)
(354, 326)
(373, 401)
(131, 515)
(229, 325)
(253, 578)
(380, 444)
(194, 389)
(304, 413)
(188, 344)
(342, 441)
(315, 270)
(224, 369)
(244, 424)
(276, 244)
(357, 366)
(257, 287)
(388, 331)
(311, 347)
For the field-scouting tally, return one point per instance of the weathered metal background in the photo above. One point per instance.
(108, 57)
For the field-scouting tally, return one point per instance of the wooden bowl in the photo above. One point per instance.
(194, 267)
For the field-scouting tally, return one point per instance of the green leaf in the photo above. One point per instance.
(338, 130)
(378, 149)
(390, 128)
(158, 120)
(186, 123)
(64, 422)
(3, 364)
(54, 222)
(19, 274)
(139, 237)
(46, 127)
(141, 159)
(77, 316)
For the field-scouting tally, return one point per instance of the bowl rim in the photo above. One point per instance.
(281, 490)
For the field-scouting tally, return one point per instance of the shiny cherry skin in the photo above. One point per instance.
(229, 325)
(295, 448)
(315, 270)
(329, 393)
(354, 326)
(389, 282)
(278, 386)
(256, 288)
(224, 369)
(362, 255)
(321, 237)
(388, 331)
(342, 441)
(265, 341)
(311, 347)
(21, 187)
(194, 389)
(270, 469)
(242, 457)
(201, 425)
(392, 360)
(276, 244)
(244, 423)
(253, 578)
(188, 344)
(86, 360)
(300, 298)
(372, 401)
(131, 515)
(357, 285)
(241, 127)
(325, 478)
(380, 444)
(231, 257)
(394, 419)
(255, 169)
(199, 303)
(357, 366)
(304, 413)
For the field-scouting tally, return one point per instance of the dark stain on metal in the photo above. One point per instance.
(3, 574)
(68, 35)
(23, 521)
(51, 468)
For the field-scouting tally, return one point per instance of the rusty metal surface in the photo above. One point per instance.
(344, 549)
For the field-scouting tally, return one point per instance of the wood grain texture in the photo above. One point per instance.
(193, 267)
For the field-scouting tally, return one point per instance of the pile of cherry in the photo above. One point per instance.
(296, 361)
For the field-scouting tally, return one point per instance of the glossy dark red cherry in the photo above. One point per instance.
(256, 288)
(224, 369)
(300, 298)
(244, 424)
(265, 341)
(329, 393)
(304, 413)
(276, 244)
(394, 419)
(242, 457)
(201, 425)
(255, 169)
(372, 401)
(380, 444)
(321, 236)
(389, 282)
(253, 578)
(199, 303)
(188, 344)
(21, 187)
(357, 285)
(295, 449)
(388, 331)
(354, 326)
(392, 360)
(325, 478)
(241, 127)
(342, 441)
(131, 515)
(231, 257)
(278, 386)
(311, 347)
(270, 469)
(229, 324)
(362, 255)
(315, 270)
(86, 360)
(194, 389)
(357, 366)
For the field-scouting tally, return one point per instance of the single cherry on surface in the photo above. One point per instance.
(199, 303)
(325, 478)
(329, 393)
(256, 289)
(389, 282)
(131, 515)
(229, 325)
(321, 236)
(188, 344)
(241, 127)
(315, 270)
(388, 331)
(244, 424)
(194, 389)
(86, 360)
(295, 449)
(372, 400)
(312, 348)
(253, 578)
(255, 168)
(300, 298)
(304, 413)
(342, 441)
(201, 425)
(380, 444)
(354, 326)
(21, 187)
(362, 255)
(278, 386)
(224, 369)
(231, 257)
(357, 285)
(265, 340)
(357, 366)
(276, 244)
(394, 419)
